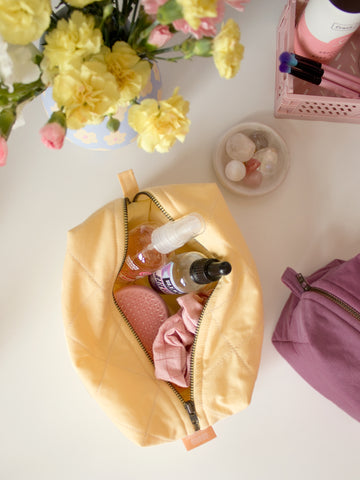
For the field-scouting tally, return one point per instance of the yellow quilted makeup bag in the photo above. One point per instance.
(108, 354)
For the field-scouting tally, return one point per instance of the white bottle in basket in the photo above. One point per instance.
(324, 27)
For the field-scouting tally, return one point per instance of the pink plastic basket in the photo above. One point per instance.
(295, 98)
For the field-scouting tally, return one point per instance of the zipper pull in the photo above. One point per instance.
(304, 284)
(294, 281)
(190, 408)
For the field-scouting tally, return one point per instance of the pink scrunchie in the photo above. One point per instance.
(173, 342)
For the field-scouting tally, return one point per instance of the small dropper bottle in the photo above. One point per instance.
(149, 245)
(188, 272)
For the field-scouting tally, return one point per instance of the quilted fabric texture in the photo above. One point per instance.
(104, 350)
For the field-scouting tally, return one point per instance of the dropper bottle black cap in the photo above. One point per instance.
(207, 270)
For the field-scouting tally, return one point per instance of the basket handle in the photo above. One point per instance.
(128, 183)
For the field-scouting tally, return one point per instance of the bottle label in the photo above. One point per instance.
(163, 280)
(307, 45)
(131, 271)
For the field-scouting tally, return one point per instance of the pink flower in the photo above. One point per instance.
(207, 25)
(53, 135)
(237, 4)
(160, 35)
(207, 28)
(3, 151)
(151, 6)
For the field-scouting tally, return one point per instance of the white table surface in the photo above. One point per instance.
(50, 428)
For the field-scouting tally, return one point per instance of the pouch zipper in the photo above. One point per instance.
(189, 405)
(345, 306)
(156, 202)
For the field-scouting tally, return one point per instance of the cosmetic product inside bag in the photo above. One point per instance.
(107, 351)
(318, 331)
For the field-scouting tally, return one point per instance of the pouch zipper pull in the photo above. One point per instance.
(190, 408)
(303, 282)
(291, 280)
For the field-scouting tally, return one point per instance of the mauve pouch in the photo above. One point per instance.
(318, 331)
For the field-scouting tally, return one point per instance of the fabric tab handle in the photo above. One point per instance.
(290, 280)
(128, 184)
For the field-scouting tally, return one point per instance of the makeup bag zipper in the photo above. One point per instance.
(338, 301)
(189, 405)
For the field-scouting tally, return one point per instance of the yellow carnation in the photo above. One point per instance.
(86, 94)
(131, 73)
(160, 124)
(195, 10)
(71, 42)
(227, 50)
(23, 21)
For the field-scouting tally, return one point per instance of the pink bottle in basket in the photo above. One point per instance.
(324, 27)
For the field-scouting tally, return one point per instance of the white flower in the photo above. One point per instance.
(6, 64)
(16, 64)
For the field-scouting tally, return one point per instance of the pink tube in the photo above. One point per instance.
(343, 78)
(339, 89)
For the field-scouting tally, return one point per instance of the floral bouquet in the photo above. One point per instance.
(97, 57)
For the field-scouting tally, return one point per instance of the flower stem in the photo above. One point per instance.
(7, 120)
(168, 59)
(134, 15)
(21, 93)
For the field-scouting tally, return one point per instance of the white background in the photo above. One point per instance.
(50, 428)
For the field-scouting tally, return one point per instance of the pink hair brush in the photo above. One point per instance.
(144, 309)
